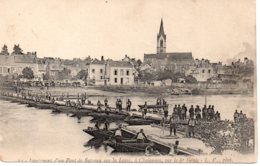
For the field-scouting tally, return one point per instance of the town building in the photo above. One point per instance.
(109, 72)
(202, 70)
(97, 74)
(162, 60)
(121, 73)
(14, 64)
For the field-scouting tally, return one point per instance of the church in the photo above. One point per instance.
(162, 60)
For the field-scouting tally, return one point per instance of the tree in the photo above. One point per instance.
(46, 76)
(139, 62)
(191, 79)
(4, 50)
(82, 74)
(146, 75)
(28, 73)
(64, 74)
(165, 74)
(17, 49)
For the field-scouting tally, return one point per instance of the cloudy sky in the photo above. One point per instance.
(213, 29)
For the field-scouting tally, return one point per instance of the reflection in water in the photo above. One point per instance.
(95, 142)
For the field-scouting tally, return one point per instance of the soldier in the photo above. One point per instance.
(191, 126)
(145, 109)
(236, 114)
(209, 113)
(179, 110)
(241, 116)
(140, 136)
(191, 111)
(120, 104)
(128, 105)
(198, 113)
(183, 112)
(105, 101)
(174, 120)
(99, 105)
(204, 113)
(165, 110)
(175, 110)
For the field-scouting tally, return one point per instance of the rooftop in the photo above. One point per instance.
(174, 56)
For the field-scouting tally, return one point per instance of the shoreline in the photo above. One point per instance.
(166, 91)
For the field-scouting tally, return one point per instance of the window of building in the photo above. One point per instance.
(161, 43)
(115, 72)
(12, 69)
(121, 72)
(5, 70)
(101, 71)
(1, 70)
(203, 71)
(209, 71)
(93, 70)
(8, 70)
(115, 80)
(101, 77)
(127, 72)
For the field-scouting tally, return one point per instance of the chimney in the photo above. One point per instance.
(102, 58)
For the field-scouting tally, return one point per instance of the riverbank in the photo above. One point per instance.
(167, 90)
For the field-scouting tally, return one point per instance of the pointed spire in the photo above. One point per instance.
(161, 32)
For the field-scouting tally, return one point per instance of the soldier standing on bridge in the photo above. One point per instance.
(145, 110)
(183, 112)
(174, 120)
(120, 104)
(191, 111)
(106, 101)
(204, 112)
(128, 105)
(191, 126)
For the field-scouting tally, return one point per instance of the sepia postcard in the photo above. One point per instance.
(128, 81)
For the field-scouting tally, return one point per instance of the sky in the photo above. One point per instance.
(214, 29)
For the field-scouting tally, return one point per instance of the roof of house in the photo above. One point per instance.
(174, 56)
(24, 58)
(5, 59)
(97, 62)
(120, 64)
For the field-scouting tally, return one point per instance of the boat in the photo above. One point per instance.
(154, 106)
(138, 121)
(108, 115)
(128, 145)
(105, 134)
(153, 119)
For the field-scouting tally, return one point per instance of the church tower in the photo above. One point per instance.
(161, 40)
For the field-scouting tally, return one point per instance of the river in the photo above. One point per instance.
(32, 133)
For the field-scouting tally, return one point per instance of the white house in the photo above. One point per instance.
(120, 73)
(97, 72)
(15, 63)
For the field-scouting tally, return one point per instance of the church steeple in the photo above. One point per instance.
(161, 40)
(161, 31)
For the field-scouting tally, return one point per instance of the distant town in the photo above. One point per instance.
(160, 69)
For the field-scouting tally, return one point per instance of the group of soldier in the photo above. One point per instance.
(196, 114)
(119, 104)
(206, 114)
(239, 117)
